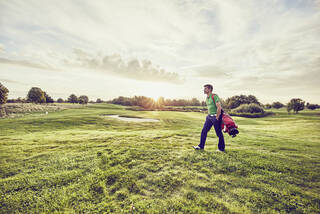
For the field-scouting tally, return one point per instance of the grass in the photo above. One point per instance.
(79, 161)
(21, 109)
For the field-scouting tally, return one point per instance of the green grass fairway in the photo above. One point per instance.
(80, 161)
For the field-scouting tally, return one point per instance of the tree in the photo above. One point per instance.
(3, 94)
(160, 102)
(73, 99)
(18, 100)
(36, 95)
(83, 99)
(236, 101)
(277, 105)
(60, 100)
(99, 100)
(296, 105)
(195, 102)
(252, 99)
(144, 102)
(3, 99)
(48, 98)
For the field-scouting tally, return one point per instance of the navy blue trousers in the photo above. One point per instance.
(212, 121)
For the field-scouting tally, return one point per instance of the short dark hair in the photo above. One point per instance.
(208, 86)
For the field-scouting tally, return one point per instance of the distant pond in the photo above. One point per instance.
(133, 119)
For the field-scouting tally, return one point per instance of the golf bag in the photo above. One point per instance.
(227, 123)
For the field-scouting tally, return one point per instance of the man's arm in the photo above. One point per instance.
(218, 110)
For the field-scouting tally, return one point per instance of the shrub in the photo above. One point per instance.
(312, 106)
(254, 115)
(60, 100)
(249, 108)
(36, 95)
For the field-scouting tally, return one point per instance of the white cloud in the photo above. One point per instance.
(115, 65)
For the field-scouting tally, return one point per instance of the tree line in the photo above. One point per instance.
(150, 103)
(295, 104)
(231, 103)
(37, 95)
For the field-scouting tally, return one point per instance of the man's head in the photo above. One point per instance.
(207, 89)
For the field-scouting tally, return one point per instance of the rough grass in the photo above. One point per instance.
(20, 109)
(79, 161)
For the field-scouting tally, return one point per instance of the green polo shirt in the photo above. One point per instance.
(212, 108)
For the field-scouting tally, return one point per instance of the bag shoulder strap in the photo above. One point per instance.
(212, 97)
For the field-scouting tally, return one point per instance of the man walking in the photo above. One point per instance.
(214, 118)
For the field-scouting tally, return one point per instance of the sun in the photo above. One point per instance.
(157, 90)
(155, 97)
(154, 93)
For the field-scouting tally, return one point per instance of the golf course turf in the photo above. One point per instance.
(80, 161)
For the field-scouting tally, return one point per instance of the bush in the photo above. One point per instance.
(312, 106)
(254, 115)
(99, 100)
(249, 108)
(36, 95)
(60, 100)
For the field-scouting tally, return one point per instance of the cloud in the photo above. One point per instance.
(268, 45)
(277, 53)
(115, 65)
(10, 81)
(209, 71)
(26, 64)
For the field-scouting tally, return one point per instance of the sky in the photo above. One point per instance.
(169, 48)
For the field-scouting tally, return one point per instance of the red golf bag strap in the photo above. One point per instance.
(212, 97)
